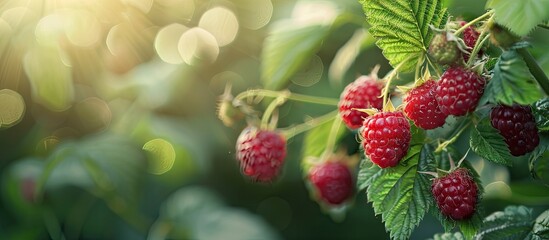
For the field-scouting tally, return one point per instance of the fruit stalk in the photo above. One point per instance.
(288, 95)
(470, 23)
(535, 69)
(308, 125)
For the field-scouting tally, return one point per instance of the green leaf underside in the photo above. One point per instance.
(402, 28)
(515, 222)
(540, 109)
(287, 50)
(539, 160)
(489, 144)
(512, 82)
(521, 17)
(541, 226)
(400, 194)
(449, 236)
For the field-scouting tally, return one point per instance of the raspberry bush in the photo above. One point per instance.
(463, 87)
(333, 119)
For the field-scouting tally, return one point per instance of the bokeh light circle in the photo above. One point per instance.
(161, 155)
(166, 43)
(198, 46)
(256, 14)
(221, 23)
(12, 108)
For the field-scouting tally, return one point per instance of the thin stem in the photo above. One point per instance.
(477, 47)
(270, 109)
(435, 67)
(330, 144)
(473, 22)
(288, 95)
(444, 144)
(535, 69)
(293, 131)
(389, 78)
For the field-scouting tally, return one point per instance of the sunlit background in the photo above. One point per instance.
(109, 108)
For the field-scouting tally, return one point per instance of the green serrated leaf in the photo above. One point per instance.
(540, 109)
(515, 222)
(368, 173)
(489, 144)
(449, 236)
(541, 226)
(402, 195)
(288, 49)
(402, 28)
(511, 82)
(521, 17)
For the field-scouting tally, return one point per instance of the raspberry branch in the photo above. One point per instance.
(288, 95)
(470, 23)
(535, 69)
(292, 131)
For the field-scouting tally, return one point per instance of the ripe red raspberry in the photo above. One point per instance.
(456, 194)
(459, 91)
(470, 37)
(363, 93)
(422, 107)
(333, 182)
(444, 49)
(261, 153)
(386, 138)
(517, 126)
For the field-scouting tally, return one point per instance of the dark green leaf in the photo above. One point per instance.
(286, 50)
(197, 213)
(106, 163)
(515, 222)
(489, 144)
(540, 109)
(511, 82)
(539, 160)
(402, 195)
(521, 17)
(402, 28)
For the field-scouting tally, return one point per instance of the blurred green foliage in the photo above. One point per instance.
(96, 89)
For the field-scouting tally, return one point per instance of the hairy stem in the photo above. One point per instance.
(292, 131)
(270, 109)
(288, 95)
(535, 69)
(330, 144)
(470, 23)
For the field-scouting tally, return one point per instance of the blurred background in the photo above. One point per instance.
(108, 125)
